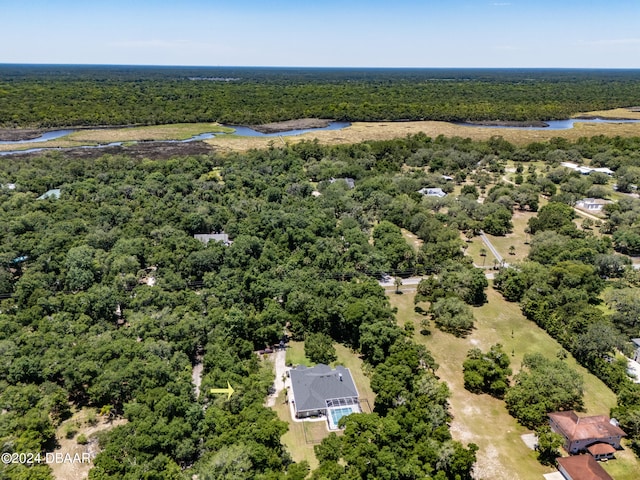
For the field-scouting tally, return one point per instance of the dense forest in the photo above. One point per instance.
(82, 328)
(53, 96)
(81, 325)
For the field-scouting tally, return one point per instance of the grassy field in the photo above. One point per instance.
(362, 131)
(180, 131)
(474, 250)
(518, 239)
(412, 239)
(484, 420)
(295, 439)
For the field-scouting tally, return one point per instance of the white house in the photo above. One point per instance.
(586, 170)
(592, 204)
(432, 192)
(216, 237)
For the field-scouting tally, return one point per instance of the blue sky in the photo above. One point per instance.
(345, 33)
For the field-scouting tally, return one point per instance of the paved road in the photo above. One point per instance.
(405, 281)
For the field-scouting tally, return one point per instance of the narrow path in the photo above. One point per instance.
(279, 362)
(490, 246)
(585, 214)
(196, 376)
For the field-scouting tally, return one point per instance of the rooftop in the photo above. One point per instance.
(583, 428)
(432, 192)
(312, 387)
(216, 237)
(600, 449)
(54, 193)
(583, 467)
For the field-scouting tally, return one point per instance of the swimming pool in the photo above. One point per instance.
(335, 414)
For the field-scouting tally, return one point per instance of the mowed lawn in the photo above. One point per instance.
(484, 420)
(518, 238)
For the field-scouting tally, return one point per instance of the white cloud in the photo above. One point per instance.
(501, 4)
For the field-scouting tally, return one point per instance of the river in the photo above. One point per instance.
(552, 124)
(238, 130)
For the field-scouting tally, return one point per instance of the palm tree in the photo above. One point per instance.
(483, 254)
(398, 283)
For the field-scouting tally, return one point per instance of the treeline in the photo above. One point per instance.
(75, 96)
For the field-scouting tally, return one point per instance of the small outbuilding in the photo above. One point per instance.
(53, 193)
(351, 183)
(592, 204)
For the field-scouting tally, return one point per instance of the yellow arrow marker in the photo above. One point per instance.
(229, 390)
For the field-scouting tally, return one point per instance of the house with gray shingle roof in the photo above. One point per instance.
(318, 390)
(216, 237)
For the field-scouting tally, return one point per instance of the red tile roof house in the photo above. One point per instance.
(581, 467)
(598, 434)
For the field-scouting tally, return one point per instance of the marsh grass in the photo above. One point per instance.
(357, 132)
(362, 131)
(178, 131)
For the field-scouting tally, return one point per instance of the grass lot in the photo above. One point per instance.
(518, 238)
(296, 356)
(412, 239)
(474, 248)
(484, 420)
(295, 439)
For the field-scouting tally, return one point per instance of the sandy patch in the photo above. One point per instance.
(71, 450)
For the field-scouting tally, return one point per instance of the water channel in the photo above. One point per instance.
(249, 132)
(552, 124)
(238, 130)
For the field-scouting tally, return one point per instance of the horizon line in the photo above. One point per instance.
(3, 64)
